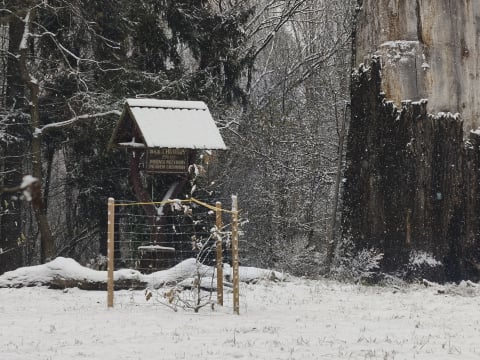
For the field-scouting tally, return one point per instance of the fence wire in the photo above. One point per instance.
(150, 243)
(180, 237)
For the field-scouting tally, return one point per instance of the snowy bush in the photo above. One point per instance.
(422, 258)
(296, 259)
(98, 263)
(196, 291)
(423, 265)
(305, 262)
(354, 265)
(192, 293)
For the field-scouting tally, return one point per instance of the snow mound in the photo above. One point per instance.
(60, 268)
(252, 274)
(65, 272)
(184, 270)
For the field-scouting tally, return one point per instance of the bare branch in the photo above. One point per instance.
(65, 123)
(286, 16)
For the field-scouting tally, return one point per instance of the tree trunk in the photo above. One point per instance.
(331, 243)
(142, 196)
(11, 236)
(47, 246)
(15, 94)
(429, 50)
(12, 163)
(412, 180)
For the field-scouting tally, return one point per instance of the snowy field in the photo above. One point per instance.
(297, 319)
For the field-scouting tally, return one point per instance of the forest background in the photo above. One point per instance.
(274, 73)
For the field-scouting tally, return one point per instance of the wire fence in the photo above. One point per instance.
(180, 243)
(150, 243)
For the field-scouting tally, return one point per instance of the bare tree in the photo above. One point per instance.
(286, 145)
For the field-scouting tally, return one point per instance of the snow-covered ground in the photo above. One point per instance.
(297, 319)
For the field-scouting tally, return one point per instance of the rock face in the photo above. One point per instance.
(428, 49)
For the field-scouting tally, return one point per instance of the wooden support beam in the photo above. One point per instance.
(235, 261)
(219, 225)
(110, 250)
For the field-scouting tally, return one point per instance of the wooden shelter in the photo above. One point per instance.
(168, 131)
(162, 137)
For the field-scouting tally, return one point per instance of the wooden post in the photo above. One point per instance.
(110, 250)
(236, 279)
(219, 225)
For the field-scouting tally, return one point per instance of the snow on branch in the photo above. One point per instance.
(61, 124)
(25, 186)
(68, 53)
(26, 33)
(28, 180)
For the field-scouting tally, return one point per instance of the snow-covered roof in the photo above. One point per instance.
(168, 124)
(167, 104)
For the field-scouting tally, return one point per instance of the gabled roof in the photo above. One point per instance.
(153, 123)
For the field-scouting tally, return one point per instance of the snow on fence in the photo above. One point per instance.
(156, 236)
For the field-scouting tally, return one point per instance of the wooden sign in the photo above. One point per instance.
(167, 161)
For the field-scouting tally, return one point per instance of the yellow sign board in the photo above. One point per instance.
(167, 161)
